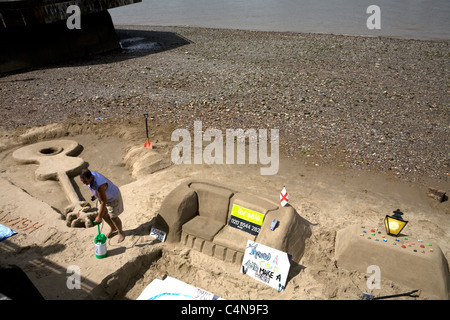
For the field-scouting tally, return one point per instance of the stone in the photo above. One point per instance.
(436, 194)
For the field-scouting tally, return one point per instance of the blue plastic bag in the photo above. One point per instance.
(6, 232)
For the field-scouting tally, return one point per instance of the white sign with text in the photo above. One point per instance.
(265, 264)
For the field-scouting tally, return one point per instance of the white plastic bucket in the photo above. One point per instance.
(100, 250)
(100, 246)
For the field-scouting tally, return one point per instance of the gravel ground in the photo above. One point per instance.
(377, 103)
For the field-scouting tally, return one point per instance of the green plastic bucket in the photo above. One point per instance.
(100, 245)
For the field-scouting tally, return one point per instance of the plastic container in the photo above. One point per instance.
(100, 245)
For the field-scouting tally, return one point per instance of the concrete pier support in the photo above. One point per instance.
(35, 33)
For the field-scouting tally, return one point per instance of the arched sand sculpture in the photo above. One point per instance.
(57, 161)
(198, 214)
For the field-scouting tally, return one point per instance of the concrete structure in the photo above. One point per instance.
(198, 214)
(36, 32)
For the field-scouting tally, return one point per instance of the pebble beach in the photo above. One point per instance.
(375, 103)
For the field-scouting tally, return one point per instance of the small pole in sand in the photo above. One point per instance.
(147, 144)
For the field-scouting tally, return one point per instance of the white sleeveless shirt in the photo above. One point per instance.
(112, 191)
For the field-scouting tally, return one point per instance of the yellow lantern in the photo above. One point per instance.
(394, 224)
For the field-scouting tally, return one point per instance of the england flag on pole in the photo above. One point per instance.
(284, 197)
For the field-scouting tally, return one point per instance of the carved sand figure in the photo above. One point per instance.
(58, 161)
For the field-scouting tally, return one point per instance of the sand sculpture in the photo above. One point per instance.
(199, 215)
(404, 259)
(57, 161)
(142, 161)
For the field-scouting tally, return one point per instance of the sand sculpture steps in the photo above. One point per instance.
(57, 161)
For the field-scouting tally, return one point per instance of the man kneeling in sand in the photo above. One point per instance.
(110, 200)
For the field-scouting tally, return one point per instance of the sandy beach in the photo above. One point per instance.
(363, 123)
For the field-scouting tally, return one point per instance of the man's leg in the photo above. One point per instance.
(118, 223)
(110, 223)
(113, 210)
